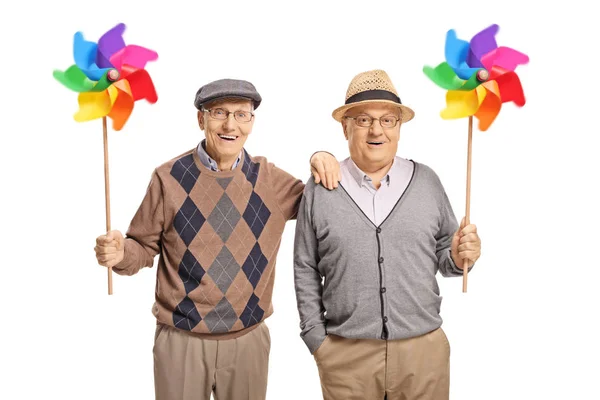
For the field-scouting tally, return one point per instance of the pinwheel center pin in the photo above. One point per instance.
(482, 75)
(113, 75)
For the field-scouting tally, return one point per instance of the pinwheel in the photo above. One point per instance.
(479, 77)
(109, 77)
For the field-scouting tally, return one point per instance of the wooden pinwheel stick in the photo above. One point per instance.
(468, 202)
(107, 195)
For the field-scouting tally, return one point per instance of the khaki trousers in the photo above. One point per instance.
(411, 369)
(189, 368)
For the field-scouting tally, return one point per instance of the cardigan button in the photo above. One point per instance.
(384, 319)
(378, 230)
(380, 260)
(382, 290)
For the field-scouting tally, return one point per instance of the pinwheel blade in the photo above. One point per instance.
(445, 77)
(481, 44)
(490, 106)
(102, 84)
(122, 107)
(136, 56)
(504, 57)
(84, 53)
(460, 104)
(74, 78)
(510, 89)
(456, 50)
(140, 82)
(111, 42)
(93, 105)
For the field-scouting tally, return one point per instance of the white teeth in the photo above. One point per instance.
(228, 137)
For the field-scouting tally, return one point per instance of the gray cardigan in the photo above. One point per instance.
(379, 281)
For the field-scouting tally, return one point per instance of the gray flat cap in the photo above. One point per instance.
(227, 88)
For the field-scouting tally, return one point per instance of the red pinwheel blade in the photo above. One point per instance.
(111, 42)
(140, 82)
(509, 86)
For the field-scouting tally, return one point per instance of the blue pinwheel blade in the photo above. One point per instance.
(456, 52)
(84, 53)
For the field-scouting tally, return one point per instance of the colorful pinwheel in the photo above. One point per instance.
(109, 77)
(479, 76)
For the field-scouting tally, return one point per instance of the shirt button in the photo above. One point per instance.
(384, 319)
(378, 230)
(382, 290)
(380, 260)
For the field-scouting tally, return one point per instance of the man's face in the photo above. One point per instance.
(375, 146)
(227, 136)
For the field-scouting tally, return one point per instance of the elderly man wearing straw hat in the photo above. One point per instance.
(216, 215)
(373, 325)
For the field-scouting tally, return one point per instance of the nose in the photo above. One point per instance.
(229, 123)
(376, 128)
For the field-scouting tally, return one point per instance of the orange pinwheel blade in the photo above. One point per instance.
(122, 103)
(490, 106)
(460, 104)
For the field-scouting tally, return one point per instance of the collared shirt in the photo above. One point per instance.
(376, 203)
(208, 162)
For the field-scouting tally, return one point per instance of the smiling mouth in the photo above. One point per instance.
(375, 143)
(229, 138)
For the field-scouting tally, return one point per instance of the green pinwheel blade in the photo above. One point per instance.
(74, 78)
(102, 84)
(471, 83)
(444, 76)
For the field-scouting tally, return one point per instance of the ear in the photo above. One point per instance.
(345, 127)
(201, 119)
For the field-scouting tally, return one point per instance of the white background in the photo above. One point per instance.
(526, 329)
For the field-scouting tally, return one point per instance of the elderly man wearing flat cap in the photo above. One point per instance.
(377, 242)
(215, 214)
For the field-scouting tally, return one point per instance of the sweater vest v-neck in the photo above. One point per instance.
(218, 234)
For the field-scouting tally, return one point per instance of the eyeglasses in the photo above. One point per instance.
(365, 121)
(221, 114)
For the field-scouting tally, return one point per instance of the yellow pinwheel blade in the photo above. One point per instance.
(93, 105)
(460, 103)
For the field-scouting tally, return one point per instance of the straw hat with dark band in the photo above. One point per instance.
(372, 87)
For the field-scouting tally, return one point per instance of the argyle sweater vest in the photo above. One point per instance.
(218, 234)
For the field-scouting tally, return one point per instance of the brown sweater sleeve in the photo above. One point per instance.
(288, 191)
(142, 240)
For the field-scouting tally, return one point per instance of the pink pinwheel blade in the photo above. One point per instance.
(136, 56)
(504, 57)
(111, 42)
(481, 44)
